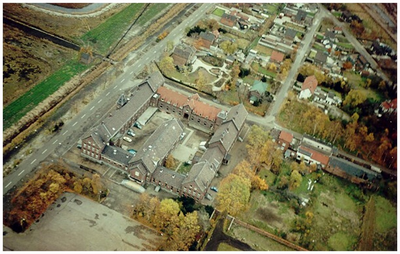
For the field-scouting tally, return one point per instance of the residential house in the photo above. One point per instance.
(285, 140)
(308, 87)
(277, 57)
(183, 55)
(168, 180)
(290, 34)
(230, 59)
(330, 35)
(300, 17)
(206, 39)
(257, 91)
(317, 144)
(389, 106)
(312, 156)
(228, 20)
(320, 58)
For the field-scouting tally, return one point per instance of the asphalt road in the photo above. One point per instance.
(61, 142)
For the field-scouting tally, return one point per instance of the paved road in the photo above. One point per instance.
(86, 118)
(300, 57)
(353, 40)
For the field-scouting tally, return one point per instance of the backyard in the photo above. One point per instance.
(336, 207)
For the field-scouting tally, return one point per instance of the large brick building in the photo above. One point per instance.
(101, 144)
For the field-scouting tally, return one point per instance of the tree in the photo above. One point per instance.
(170, 162)
(272, 67)
(78, 187)
(295, 179)
(243, 169)
(347, 65)
(170, 45)
(185, 233)
(167, 64)
(233, 195)
(228, 46)
(166, 213)
(200, 81)
(212, 24)
(96, 184)
(354, 98)
(283, 182)
(235, 74)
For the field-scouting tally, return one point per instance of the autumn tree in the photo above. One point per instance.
(233, 195)
(166, 213)
(347, 65)
(170, 162)
(272, 67)
(170, 46)
(354, 98)
(212, 24)
(243, 169)
(228, 46)
(295, 179)
(167, 64)
(201, 81)
(96, 184)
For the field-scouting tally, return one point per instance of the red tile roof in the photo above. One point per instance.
(277, 56)
(286, 136)
(311, 83)
(322, 158)
(179, 100)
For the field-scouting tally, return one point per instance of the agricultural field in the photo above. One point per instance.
(336, 209)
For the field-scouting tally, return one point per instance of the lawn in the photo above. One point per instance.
(18, 108)
(218, 12)
(153, 10)
(184, 168)
(345, 45)
(254, 44)
(107, 33)
(386, 215)
(337, 14)
(271, 8)
(226, 247)
(263, 70)
(263, 50)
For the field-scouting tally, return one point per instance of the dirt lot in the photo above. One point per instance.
(74, 223)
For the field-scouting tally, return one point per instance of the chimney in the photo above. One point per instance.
(173, 176)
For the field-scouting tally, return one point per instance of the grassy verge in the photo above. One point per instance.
(17, 109)
(346, 45)
(106, 33)
(152, 11)
(218, 12)
(226, 247)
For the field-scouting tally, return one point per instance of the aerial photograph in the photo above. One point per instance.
(199, 126)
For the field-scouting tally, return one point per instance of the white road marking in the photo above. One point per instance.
(122, 80)
(65, 132)
(155, 51)
(115, 87)
(100, 100)
(55, 141)
(8, 184)
(21, 172)
(44, 151)
(33, 161)
(139, 65)
(91, 108)
(147, 58)
(83, 116)
(131, 72)
(73, 125)
(107, 93)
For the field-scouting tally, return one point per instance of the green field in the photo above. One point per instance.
(263, 70)
(103, 36)
(346, 45)
(152, 11)
(18, 108)
(218, 12)
(226, 247)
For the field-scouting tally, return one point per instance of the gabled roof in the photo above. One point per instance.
(313, 154)
(179, 100)
(310, 83)
(259, 86)
(184, 51)
(277, 56)
(207, 36)
(169, 177)
(117, 154)
(330, 35)
(351, 168)
(286, 136)
(159, 144)
(226, 134)
(290, 33)
(238, 115)
(320, 56)
(202, 174)
(301, 15)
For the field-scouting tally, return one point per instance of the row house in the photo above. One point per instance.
(312, 156)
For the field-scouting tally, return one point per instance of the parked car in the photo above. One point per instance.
(131, 133)
(137, 125)
(127, 139)
(132, 151)
(213, 188)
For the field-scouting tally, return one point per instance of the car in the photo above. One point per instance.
(213, 188)
(127, 139)
(137, 125)
(132, 151)
(131, 133)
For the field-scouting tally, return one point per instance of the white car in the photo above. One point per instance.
(127, 139)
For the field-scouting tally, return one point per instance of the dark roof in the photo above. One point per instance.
(301, 15)
(202, 174)
(330, 34)
(274, 133)
(238, 115)
(229, 17)
(226, 134)
(290, 33)
(351, 168)
(117, 154)
(207, 36)
(184, 51)
(169, 177)
(321, 57)
(214, 156)
(159, 144)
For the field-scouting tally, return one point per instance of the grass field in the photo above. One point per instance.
(226, 247)
(103, 36)
(263, 71)
(152, 11)
(386, 218)
(18, 108)
(218, 12)
(346, 45)
(272, 8)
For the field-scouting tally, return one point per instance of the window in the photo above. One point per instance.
(136, 173)
(90, 143)
(84, 145)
